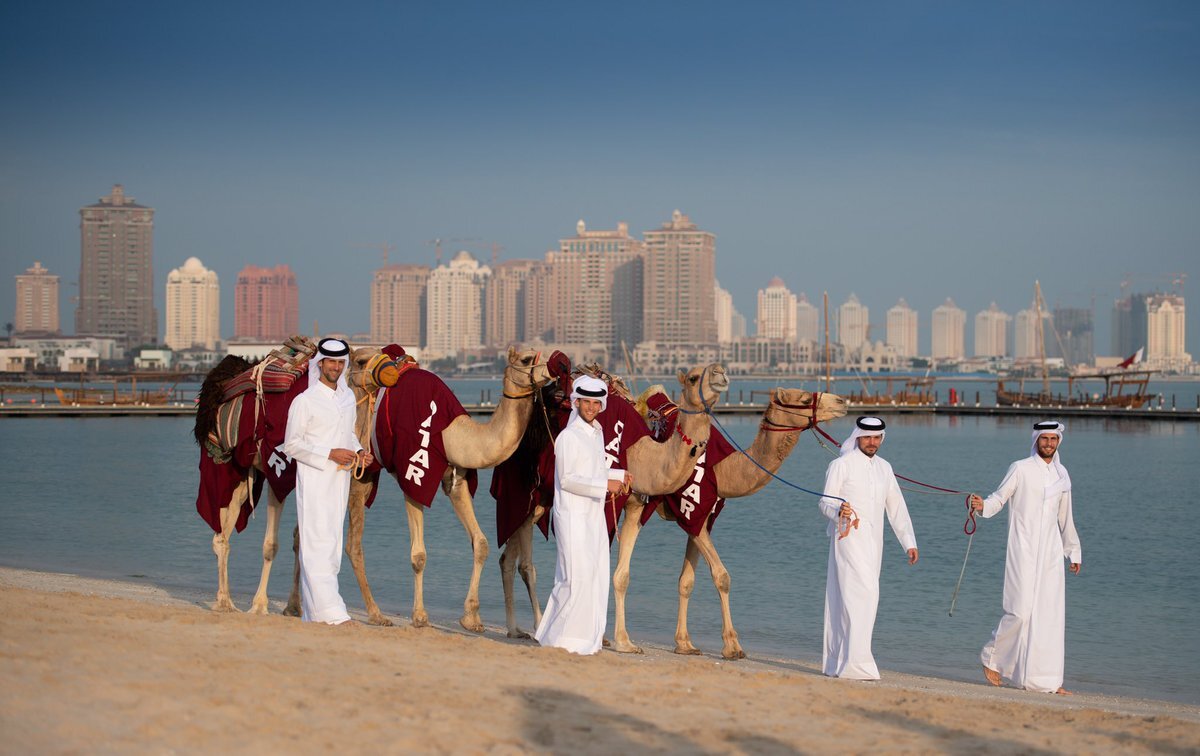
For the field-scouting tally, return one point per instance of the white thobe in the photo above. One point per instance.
(852, 583)
(320, 420)
(577, 611)
(1028, 646)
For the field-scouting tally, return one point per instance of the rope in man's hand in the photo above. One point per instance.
(847, 520)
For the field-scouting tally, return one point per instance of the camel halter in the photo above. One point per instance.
(532, 388)
(793, 409)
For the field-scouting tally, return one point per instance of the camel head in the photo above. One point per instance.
(702, 386)
(527, 371)
(372, 369)
(795, 408)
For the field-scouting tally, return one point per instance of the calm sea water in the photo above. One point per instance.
(117, 499)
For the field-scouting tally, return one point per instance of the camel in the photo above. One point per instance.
(366, 369)
(657, 468)
(469, 445)
(789, 413)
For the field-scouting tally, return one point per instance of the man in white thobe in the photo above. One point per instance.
(1028, 646)
(320, 436)
(577, 611)
(868, 486)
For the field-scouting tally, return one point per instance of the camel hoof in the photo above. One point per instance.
(688, 650)
(291, 611)
(259, 609)
(734, 655)
(420, 619)
(519, 634)
(225, 606)
(474, 624)
(379, 620)
(627, 648)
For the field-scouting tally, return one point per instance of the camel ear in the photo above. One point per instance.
(513, 354)
(683, 374)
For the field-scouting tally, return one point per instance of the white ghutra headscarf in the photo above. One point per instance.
(1045, 428)
(330, 349)
(863, 426)
(587, 387)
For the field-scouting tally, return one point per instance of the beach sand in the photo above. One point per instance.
(103, 666)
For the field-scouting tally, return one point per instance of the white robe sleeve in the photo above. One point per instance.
(835, 475)
(1066, 525)
(574, 477)
(994, 503)
(294, 443)
(897, 514)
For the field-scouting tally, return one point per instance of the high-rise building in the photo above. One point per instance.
(991, 332)
(808, 320)
(1073, 336)
(37, 303)
(599, 282)
(854, 323)
(1129, 324)
(193, 307)
(948, 332)
(902, 329)
(542, 302)
(1025, 334)
(723, 310)
(398, 305)
(116, 271)
(1166, 335)
(680, 282)
(505, 301)
(454, 307)
(266, 304)
(776, 311)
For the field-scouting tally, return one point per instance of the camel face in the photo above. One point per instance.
(528, 369)
(795, 407)
(702, 386)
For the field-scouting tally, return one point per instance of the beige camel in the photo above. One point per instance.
(470, 445)
(229, 515)
(789, 412)
(657, 468)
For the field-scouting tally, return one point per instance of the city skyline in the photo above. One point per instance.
(886, 150)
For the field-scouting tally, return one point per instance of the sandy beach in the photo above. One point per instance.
(104, 666)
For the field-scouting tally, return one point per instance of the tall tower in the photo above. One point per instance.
(266, 304)
(454, 307)
(1073, 326)
(398, 305)
(116, 271)
(991, 332)
(902, 329)
(808, 320)
(1025, 334)
(599, 280)
(776, 311)
(680, 284)
(37, 302)
(505, 300)
(853, 323)
(1166, 335)
(949, 326)
(193, 307)
(1129, 324)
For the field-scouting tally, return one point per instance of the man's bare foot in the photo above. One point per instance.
(1064, 692)
(992, 676)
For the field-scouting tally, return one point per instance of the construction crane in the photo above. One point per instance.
(437, 247)
(384, 250)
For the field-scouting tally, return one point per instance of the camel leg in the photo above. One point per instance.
(687, 583)
(508, 571)
(220, 545)
(720, 577)
(416, 537)
(525, 564)
(460, 497)
(630, 528)
(293, 605)
(358, 515)
(270, 549)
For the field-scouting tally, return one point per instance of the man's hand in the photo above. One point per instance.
(1075, 568)
(976, 503)
(628, 479)
(343, 456)
(367, 458)
(846, 510)
(616, 486)
(912, 556)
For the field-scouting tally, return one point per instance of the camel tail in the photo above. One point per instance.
(210, 394)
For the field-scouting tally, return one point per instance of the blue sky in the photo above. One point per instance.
(900, 149)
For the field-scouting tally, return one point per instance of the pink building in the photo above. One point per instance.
(266, 304)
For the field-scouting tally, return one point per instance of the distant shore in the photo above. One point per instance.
(101, 665)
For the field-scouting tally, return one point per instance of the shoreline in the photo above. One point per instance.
(107, 664)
